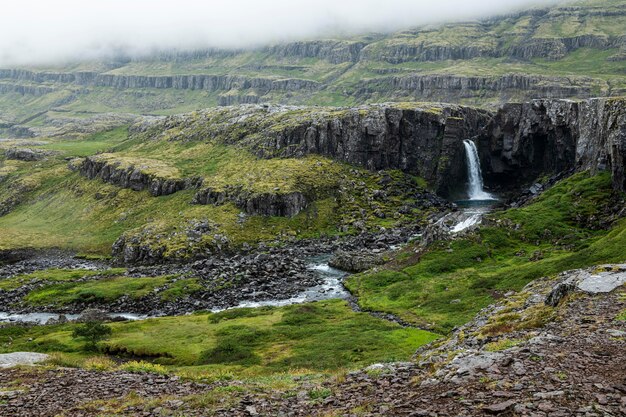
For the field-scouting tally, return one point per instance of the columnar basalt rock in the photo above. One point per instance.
(181, 82)
(133, 177)
(540, 137)
(453, 87)
(422, 141)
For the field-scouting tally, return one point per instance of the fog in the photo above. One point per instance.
(57, 31)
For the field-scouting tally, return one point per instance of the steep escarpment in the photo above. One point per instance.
(181, 82)
(330, 50)
(601, 142)
(518, 144)
(527, 140)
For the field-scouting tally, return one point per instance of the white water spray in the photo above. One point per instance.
(475, 175)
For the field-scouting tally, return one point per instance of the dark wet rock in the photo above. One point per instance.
(260, 204)
(355, 261)
(93, 314)
(527, 140)
(560, 291)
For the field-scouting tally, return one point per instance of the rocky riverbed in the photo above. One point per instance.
(268, 275)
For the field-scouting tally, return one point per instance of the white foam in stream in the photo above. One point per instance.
(467, 223)
(331, 288)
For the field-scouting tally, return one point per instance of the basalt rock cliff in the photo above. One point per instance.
(527, 140)
(517, 144)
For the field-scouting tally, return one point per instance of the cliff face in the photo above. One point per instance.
(180, 82)
(424, 140)
(133, 177)
(601, 141)
(518, 144)
(335, 52)
(452, 88)
(524, 141)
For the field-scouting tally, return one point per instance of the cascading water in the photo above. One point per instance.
(475, 175)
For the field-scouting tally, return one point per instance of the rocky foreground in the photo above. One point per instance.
(556, 348)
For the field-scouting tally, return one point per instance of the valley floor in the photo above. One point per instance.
(570, 365)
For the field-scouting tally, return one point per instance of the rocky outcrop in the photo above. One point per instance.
(355, 262)
(527, 140)
(130, 176)
(255, 204)
(26, 154)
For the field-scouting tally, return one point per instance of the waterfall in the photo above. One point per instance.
(475, 175)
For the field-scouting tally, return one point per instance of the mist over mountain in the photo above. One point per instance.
(43, 32)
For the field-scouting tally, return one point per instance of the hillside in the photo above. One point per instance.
(575, 50)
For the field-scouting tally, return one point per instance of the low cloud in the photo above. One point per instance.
(57, 31)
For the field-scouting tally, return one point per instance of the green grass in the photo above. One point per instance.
(321, 336)
(96, 143)
(98, 291)
(61, 287)
(54, 275)
(453, 281)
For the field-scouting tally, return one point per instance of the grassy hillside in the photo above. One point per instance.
(444, 287)
(575, 49)
(47, 205)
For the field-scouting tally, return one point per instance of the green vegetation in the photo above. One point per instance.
(446, 286)
(97, 291)
(54, 276)
(96, 143)
(50, 206)
(315, 337)
(91, 333)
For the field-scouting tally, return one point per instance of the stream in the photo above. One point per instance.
(330, 288)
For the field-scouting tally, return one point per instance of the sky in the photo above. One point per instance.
(57, 31)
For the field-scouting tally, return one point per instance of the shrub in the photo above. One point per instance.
(99, 363)
(92, 332)
(139, 367)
